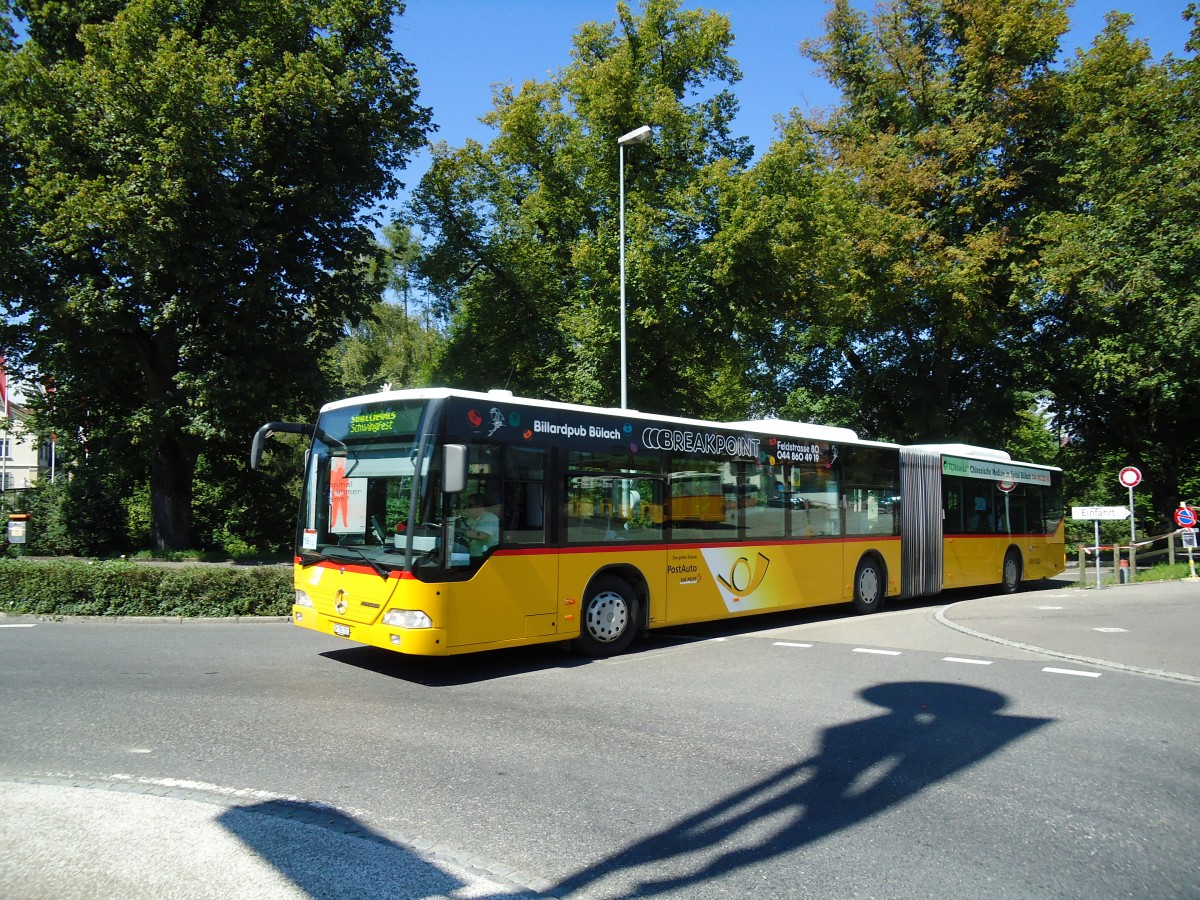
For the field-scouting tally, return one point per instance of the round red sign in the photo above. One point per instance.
(1130, 476)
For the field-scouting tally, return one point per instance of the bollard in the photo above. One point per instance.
(1124, 571)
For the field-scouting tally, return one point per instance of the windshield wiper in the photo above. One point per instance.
(374, 563)
(309, 558)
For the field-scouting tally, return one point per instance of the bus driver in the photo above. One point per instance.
(483, 526)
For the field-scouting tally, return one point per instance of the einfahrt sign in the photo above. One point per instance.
(1088, 513)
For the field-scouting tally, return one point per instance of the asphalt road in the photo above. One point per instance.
(1041, 745)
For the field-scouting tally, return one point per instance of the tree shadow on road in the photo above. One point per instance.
(930, 732)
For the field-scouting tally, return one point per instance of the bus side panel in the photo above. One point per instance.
(1045, 556)
(579, 567)
(715, 582)
(974, 559)
(979, 559)
(512, 597)
(888, 549)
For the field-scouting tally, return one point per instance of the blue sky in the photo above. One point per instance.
(462, 47)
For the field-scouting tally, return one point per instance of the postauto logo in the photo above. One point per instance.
(739, 575)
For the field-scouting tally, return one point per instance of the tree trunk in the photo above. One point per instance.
(171, 473)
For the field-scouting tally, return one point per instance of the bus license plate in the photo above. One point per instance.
(341, 630)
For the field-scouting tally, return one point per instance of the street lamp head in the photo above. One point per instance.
(637, 136)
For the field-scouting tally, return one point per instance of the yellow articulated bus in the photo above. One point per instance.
(439, 521)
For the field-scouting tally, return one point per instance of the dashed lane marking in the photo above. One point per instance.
(1078, 672)
(950, 659)
(941, 616)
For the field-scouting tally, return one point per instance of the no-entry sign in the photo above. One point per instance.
(1130, 476)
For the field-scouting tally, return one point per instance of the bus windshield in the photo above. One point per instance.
(370, 486)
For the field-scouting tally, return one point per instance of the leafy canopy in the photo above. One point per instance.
(186, 185)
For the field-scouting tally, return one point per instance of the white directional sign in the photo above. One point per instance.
(1087, 513)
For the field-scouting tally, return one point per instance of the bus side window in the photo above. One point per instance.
(952, 506)
(766, 517)
(523, 519)
(707, 499)
(980, 519)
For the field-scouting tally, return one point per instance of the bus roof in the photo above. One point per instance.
(783, 427)
(775, 426)
(801, 430)
(970, 451)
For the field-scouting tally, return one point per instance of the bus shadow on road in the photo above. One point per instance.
(450, 671)
(810, 615)
(929, 732)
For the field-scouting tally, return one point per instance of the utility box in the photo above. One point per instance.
(18, 526)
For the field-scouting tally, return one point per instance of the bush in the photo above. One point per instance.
(120, 588)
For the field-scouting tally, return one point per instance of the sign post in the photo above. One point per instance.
(1186, 518)
(1096, 514)
(1131, 477)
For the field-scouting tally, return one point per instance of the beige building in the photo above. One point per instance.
(23, 458)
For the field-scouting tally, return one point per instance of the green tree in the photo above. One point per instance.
(397, 269)
(524, 233)
(397, 343)
(390, 347)
(945, 132)
(187, 188)
(1120, 276)
(785, 249)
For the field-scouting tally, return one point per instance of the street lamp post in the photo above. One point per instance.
(637, 136)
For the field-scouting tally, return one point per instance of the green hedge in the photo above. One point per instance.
(120, 588)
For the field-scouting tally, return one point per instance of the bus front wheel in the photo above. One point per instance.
(869, 586)
(1012, 572)
(610, 618)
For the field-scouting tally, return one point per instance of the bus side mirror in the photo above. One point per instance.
(454, 468)
(260, 437)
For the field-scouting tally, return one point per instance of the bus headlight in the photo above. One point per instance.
(302, 599)
(406, 618)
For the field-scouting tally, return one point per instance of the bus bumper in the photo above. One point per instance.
(414, 641)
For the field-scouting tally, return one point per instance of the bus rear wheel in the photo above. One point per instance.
(610, 617)
(869, 586)
(1011, 582)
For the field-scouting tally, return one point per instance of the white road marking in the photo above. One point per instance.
(790, 644)
(1071, 672)
(1112, 630)
(973, 662)
(880, 652)
(29, 625)
(1049, 607)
